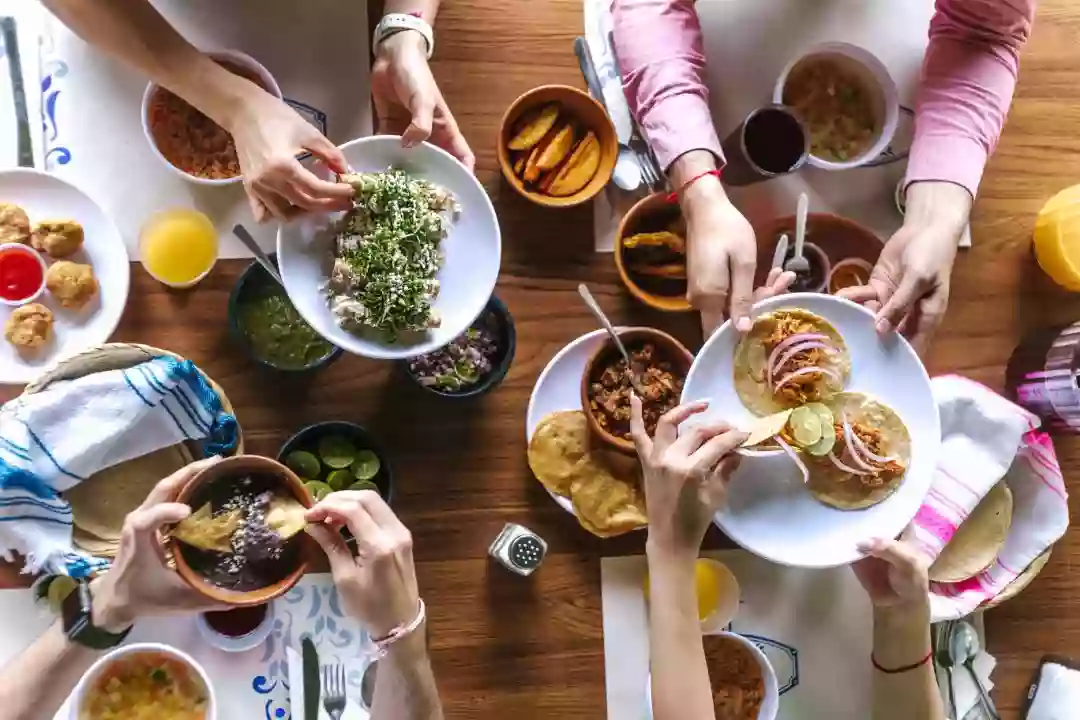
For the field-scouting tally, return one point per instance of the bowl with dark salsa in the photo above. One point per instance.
(244, 543)
(264, 321)
(475, 362)
(663, 363)
(650, 253)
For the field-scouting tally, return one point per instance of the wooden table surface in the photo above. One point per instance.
(508, 647)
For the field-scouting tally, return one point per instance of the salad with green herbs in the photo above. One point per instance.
(387, 254)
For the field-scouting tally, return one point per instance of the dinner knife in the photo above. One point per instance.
(312, 689)
(18, 91)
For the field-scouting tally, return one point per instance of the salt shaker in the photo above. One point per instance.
(518, 549)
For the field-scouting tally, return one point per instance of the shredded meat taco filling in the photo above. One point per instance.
(803, 388)
(871, 437)
(609, 392)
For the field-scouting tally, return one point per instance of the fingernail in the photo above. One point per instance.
(744, 324)
(882, 325)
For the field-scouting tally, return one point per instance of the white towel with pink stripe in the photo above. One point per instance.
(985, 439)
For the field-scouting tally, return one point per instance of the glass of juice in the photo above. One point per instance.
(178, 247)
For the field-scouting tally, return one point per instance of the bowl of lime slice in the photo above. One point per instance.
(337, 455)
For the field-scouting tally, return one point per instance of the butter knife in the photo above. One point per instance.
(312, 686)
(18, 91)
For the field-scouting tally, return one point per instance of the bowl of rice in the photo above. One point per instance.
(192, 145)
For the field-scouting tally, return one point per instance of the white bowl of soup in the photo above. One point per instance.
(144, 681)
(846, 99)
(191, 144)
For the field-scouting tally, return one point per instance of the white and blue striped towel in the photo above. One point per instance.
(52, 440)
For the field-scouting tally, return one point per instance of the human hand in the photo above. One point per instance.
(378, 586)
(909, 286)
(894, 574)
(140, 583)
(407, 100)
(269, 135)
(685, 475)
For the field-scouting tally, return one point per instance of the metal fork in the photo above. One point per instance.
(334, 690)
(651, 172)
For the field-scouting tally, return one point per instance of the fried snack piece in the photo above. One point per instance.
(606, 494)
(535, 126)
(560, 441)
(29, 326)
(14, 224)
(663, 239)
(577, 171)
(58, 238)
(72, 284)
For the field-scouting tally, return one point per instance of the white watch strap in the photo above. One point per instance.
(400, 22)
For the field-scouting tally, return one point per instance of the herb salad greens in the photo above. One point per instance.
(387, 254)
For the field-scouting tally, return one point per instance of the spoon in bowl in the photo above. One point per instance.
(260, 257)
(594, 306)
(798, 264)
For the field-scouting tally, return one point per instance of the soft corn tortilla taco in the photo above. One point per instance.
(978, 540)
(868, 460)
(789, 358)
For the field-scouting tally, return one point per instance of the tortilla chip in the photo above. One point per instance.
(206, 531)
(978, 540)
(606, 495)
(766, 428)
(561, 440)
(286, 516)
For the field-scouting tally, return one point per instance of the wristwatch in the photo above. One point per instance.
(394, 23)
(78, 621)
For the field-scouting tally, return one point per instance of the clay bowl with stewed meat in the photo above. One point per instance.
(239, 503)
(663, 363)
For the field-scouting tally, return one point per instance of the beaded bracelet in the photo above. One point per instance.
(401, 632)
(904, 669)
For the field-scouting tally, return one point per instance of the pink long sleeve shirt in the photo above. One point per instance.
(968, 78)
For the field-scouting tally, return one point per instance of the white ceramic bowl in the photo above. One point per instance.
(29, 252)
(770, 705)
(875, 77)
(234, 57)
(472, 251)
(769, 511)
(231, 644)
(103, 663)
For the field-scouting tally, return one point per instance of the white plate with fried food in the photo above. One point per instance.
(410, 268)
(772, 510)
(87, 280)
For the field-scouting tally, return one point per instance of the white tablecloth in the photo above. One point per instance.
(318, 50)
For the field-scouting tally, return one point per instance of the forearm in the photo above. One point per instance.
(135, 33)
(38, 681)
(967, 85)
(942, 203)
(405, 685)
(901, 639)
(426, 9)
(680, 677)
(662, 57)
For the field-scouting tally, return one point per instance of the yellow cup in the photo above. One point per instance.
(1057, 238)
(178, 247)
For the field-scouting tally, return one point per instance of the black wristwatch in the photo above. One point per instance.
(78, 621)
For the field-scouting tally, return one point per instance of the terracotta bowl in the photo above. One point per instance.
(838, 237)
(589, 113)
(237, 467)
(671, 348)
(651, 213)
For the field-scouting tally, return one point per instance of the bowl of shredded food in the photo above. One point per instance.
(409, 268)
(144, 681)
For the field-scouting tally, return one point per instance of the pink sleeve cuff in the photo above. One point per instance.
(953, 158)
(679, 124)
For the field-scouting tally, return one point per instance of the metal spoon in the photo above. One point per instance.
(628, 171)
(799, 264)
(963, 649)
(942, 634)
(260, 257)
(590, 301)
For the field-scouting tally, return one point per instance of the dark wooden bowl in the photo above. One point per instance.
(838, 237)
(236, 467)
(652, 209)
(671, 348)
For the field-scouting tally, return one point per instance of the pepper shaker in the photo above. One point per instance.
(518, 549)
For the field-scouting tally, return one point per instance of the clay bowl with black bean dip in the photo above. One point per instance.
(272, 566)
(605, 384)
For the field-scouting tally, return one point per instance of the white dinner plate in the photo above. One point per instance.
(769, 511)
(472, 250)
(559, 388)
(46, 197)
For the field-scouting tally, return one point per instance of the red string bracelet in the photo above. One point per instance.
(904, 669)
(674, 197)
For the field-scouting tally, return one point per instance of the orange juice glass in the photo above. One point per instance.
(178, 247)
(1057, 238)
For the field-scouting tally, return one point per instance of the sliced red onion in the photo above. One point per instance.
(795, 350)
(785, 344)
(860, 448)
(849, 439)
(794, 456)
(844, 467)
(805, 371)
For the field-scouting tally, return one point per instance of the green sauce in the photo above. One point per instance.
(279, 335)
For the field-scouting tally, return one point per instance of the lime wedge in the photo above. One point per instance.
(303, 463)
(336, 451)
(366, 465)
(318, 489)
(825, 415)
(339, 479)
(805, 426)
(364, 485)
(823, 446)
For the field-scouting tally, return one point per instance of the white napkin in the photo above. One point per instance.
(52, 440)
(1057, 693)
(986, 438)
(353, 668)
